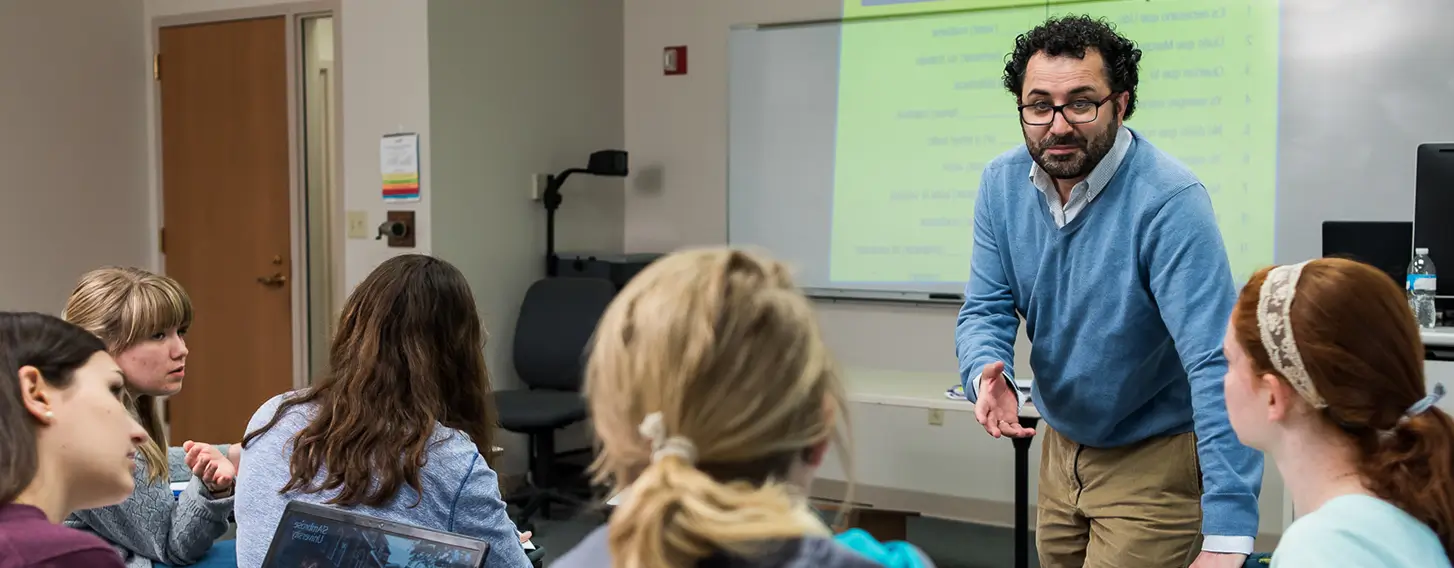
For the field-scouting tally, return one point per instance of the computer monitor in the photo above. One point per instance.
(1433, 211)
(1386, 245)
(314, 536)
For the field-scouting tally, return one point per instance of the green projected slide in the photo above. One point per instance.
(922, 109)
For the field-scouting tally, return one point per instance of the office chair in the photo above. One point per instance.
(552, 333)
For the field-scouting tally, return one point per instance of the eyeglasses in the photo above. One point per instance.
(1076, 112)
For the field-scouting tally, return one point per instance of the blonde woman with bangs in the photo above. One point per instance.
(143, 319)
(714, 400)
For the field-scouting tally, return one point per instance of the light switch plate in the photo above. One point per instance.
(358, 225)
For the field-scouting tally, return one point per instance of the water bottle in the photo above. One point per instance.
(1421, 286)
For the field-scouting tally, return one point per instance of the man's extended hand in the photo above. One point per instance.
(1219, 560)
(998, 407)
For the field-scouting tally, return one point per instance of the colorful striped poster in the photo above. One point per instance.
(399, 163)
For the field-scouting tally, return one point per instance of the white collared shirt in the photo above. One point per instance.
(1088, 188)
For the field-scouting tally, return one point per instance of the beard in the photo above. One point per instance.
(1089, 152)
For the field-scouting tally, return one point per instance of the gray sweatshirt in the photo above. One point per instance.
(153, 526)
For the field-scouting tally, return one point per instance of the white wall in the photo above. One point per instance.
(384, 67)
(676, 130)
(519, 88)
(76, 194)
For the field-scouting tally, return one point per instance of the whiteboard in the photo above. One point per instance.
(1358, 85)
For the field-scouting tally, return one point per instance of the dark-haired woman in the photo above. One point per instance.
(67, 441)
(395, 431)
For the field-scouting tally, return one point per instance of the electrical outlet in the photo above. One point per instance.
(936, 417)
(358, 225)
(537, 185)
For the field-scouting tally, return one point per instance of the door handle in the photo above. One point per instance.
(276, 280)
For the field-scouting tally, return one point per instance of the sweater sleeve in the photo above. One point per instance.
(985, 330)
(479, 512)
(153, 524)
(1191, 281)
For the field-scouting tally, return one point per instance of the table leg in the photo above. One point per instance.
(1022, 495)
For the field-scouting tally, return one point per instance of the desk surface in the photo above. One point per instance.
(1441, 336)
(909, 389)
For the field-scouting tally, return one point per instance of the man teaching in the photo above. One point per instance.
(1108, 248)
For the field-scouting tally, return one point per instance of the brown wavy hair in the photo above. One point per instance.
(124, 306)
(726, 348)
(1362, 350)
(407, 356)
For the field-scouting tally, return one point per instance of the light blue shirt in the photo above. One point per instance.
(461, 494)
(1362, 531)
(1088, 188)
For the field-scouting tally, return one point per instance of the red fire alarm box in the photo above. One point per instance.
(674, 60)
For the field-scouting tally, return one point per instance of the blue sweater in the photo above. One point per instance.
(461, 492)
(1125, 308)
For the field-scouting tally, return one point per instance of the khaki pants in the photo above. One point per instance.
(1130, 507)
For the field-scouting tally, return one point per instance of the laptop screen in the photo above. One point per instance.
(310, 536)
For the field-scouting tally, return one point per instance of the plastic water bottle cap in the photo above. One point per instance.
(1421, 251)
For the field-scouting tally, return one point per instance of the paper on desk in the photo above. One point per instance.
(957, 392)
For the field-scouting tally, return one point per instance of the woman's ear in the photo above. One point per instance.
(1278, 395)
(816, 453)
(35, 394)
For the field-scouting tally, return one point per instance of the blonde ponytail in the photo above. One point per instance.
(713, 398)
(677, 515)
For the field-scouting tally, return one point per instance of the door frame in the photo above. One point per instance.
(294, 14)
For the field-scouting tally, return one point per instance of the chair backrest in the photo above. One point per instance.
(556, 321)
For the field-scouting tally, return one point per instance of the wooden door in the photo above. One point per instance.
(225, 198)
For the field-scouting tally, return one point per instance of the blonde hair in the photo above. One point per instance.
(722, 349)
(124, 306)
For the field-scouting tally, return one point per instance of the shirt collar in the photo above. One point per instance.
(1099, 177)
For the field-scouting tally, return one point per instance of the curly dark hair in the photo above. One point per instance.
(1074, 35)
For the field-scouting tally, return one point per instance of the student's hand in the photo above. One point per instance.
(1219, 560)
(214, 469)
(234, 455)
(998, 408)
(525, 537)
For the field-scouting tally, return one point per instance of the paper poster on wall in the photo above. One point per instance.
(399, 163)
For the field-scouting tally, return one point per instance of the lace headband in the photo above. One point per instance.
(654, 430)
(1274, 319)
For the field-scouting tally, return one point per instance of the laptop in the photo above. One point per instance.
(314, 536)
(1387, 245)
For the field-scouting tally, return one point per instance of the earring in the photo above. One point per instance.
(50, 415)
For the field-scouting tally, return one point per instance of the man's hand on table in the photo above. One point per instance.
(998, 407)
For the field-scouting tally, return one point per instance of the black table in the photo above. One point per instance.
(1029, 418)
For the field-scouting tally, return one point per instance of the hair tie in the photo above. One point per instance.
(654, 430)
(1424, 404)
(1421, 406)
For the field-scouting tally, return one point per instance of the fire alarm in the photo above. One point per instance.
(674, 60)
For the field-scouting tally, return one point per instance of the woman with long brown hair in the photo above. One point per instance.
(715, 401)
(399, 427)
(1326, 375)
(143, 319)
